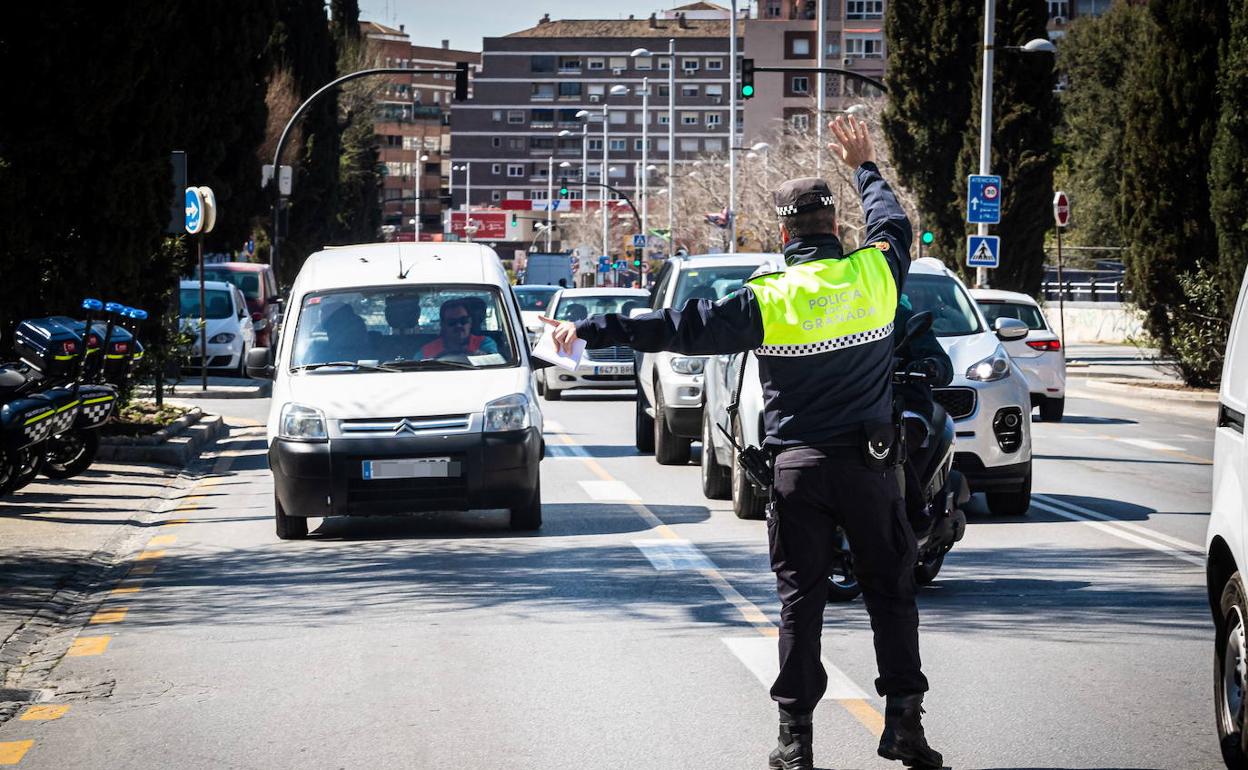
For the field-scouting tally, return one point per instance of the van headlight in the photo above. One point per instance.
(994, 367)
(688, 364)
(301, 423)
(507, 413)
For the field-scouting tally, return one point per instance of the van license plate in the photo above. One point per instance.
(408, 468)
(613, 370)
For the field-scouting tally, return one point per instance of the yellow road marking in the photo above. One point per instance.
(43, 712)
(162, 540)
(173, 522)
(11, 752)
(88, 645)
(111, 615)
(862, 710)
(150, 555)
(131, 587)
(140, 570)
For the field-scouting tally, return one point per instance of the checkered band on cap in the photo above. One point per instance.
(790, 209)
(827, 346)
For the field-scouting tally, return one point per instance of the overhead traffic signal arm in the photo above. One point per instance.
(827, 70)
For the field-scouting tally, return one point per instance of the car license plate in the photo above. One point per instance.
(410, 468)
(623, 369)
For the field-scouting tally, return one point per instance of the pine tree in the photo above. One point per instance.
(1171, 106)
(1024, 112)
(1228, 178)
(933, 49)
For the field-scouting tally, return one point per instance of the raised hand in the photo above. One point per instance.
(853, 143)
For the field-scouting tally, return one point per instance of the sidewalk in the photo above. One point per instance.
(1083, 360)
(218, 387)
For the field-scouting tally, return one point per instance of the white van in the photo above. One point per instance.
(402, 383)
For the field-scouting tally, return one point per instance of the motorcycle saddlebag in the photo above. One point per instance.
(25, 421)
(97, 403)
(66, 404)
(47, 345)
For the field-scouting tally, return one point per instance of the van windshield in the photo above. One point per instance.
(710, 282)
(404, 327)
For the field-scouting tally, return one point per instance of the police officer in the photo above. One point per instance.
(822, 331)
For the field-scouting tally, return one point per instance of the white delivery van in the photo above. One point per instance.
(402, 383)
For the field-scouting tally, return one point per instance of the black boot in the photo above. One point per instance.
(794, 751)
(903, 737)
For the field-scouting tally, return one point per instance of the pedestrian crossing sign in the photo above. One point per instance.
(983, 251)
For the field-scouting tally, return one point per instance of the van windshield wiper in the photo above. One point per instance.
(352, 364)
(429, 363)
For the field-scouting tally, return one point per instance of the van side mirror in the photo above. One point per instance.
(258, 366)
(1010, 329)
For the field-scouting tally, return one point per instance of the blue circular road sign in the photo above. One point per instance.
(194, 211)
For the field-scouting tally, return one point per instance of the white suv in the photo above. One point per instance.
(669, 385)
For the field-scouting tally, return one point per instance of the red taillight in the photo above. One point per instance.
(93, 341)
(1046, 345)
(69, 347)
(121, 347)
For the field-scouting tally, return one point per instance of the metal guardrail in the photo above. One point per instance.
(1093, 290)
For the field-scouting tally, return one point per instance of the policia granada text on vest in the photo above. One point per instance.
(822, 332)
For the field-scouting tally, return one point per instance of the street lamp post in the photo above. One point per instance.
(416, 217)
(732, 128)
(645, 163)
(467, 169)
(550, 193)
(671, 135)
(821, 81)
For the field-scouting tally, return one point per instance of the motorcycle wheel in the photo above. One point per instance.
(28, 464)
(70, 454)
(843, 586)
(925, 572)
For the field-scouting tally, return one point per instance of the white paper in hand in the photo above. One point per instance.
(546, 350)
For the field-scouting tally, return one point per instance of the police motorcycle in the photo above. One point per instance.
(935, 493)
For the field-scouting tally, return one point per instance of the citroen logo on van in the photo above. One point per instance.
(405, 426)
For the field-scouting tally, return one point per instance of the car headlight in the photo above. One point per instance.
(688, 364)
(994, 367)
(301, 423)
(222, 338)
(507, 413)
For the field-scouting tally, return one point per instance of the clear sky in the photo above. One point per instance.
(465, 22)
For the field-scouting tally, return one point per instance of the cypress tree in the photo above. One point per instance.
(1228, 178)
(359, 213)
(1024, 113)
(1171, 106)
(933, 50)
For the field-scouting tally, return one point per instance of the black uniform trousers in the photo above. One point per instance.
(815, 489)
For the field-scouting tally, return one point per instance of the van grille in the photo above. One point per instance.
(399, 426)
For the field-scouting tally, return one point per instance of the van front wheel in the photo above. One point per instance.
(528, 517)
(288, 527)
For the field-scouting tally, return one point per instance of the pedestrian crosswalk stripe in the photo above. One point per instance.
(669, 555)
(761, 656)
(609, 491)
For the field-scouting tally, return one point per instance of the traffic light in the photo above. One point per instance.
(513, 219)
(563, 187)
(747, 78)
(928, 237)
(637, 259)
(461, 81)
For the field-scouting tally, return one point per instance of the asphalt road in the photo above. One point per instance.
(636, 629)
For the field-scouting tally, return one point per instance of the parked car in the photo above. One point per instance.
(259, 287)
(1039, 354)
(398, 392)
(230, 332)
(1227, 547)
(669, 385)
(988, 400)
(602, 368)
(534, 303)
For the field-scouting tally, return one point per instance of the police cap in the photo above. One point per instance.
(800, 195)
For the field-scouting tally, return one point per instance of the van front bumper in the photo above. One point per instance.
(494, 470)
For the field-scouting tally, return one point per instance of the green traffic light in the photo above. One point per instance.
(928, 237)
(747, 90)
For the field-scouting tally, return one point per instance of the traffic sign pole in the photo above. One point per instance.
(1061, 217)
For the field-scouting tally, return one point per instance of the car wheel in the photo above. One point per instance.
(1230, 674)
(288, 527)
(70, 454)
(1013, 503)
(716, 480)
(643, 425)
(669, 449)
(528, 517)
(241, 371)
(747, 502)
(1051, 409)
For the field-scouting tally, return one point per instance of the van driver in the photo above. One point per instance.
(456, 337)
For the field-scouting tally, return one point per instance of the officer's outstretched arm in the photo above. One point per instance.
(886, 220)
(701, 327)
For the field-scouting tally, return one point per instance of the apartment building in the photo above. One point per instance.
(784, 33)
(413, 128)
(533, 83)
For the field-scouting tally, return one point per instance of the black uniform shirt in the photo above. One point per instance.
(816, 400)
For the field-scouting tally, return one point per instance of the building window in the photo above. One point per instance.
(1091, 7)
(661, 145)
(542, 92)
(542, 119)
(864, 46)
(497, 116)
(690, 65)
(713, 119)
(643, 63)
(716, 65)
(595, 145)
(597, 90)
(515, 143)
(713, 145)
(619, 118)
(799, 45)
(569, 90)
(537, 195)
(515, 169)
(514, 195)
(496, 142)
(541, 143)
(515, 117)
(665, 64)
(1059, 8)
(619, 145)
(569, 64)
(688, 90)
(663, 118)
(688, 145)
(715, 91)
(864, 9)
(619, 62)
(496, 168)
(618, 172)
(800, 121)
(542, 63)
(639, 117)
(688, 118)
(638, 145)
(593, 173)
(800, 84)
(596, 64)
(495, 196)
(772, 9)
(664, 92)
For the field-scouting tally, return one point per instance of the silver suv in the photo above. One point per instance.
(669, 385)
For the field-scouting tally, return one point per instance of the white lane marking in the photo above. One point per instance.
(609, 491)
(552, 426)
(565, 452)
(1145, 443)
(761, 656)
(1143, 531)
(1125, 531)
(667, 555)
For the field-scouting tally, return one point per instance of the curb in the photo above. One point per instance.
(262, 390)
(180, 445)
(1195, 398)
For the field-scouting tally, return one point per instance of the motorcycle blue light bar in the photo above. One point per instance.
(114, 307)
(138, 315)
(92, 304)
